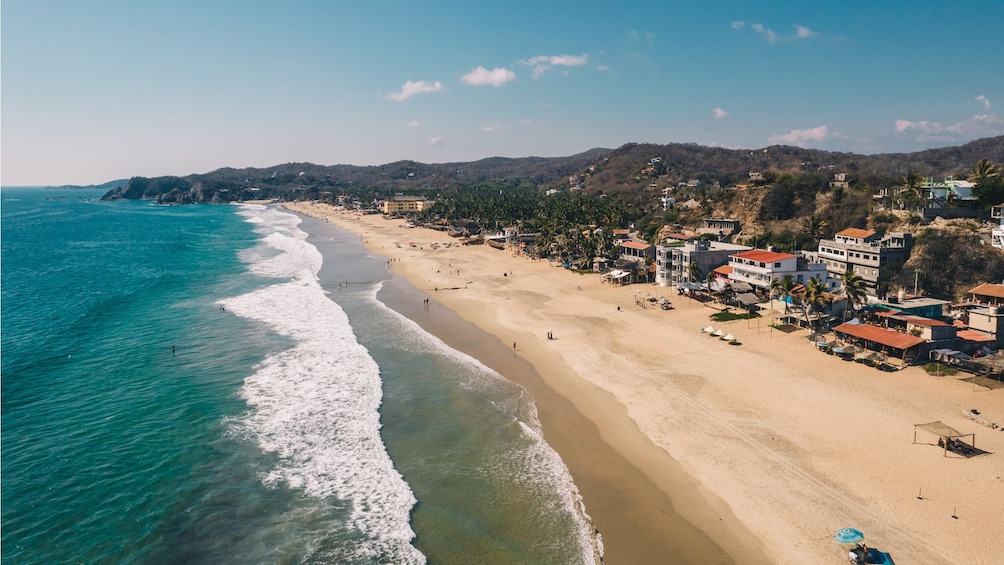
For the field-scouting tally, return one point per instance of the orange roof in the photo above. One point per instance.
(970, 335)
(723, 270)
(989, 289)
(889, 338)
(858, 233)
(761, 256)
(635, 244)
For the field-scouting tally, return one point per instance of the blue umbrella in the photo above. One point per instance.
(849, 535)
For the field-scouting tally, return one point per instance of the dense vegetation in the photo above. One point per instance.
(782, 196)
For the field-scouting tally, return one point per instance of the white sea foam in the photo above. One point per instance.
(315, 406)
(538, 467)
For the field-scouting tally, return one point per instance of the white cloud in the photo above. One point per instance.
(437, 140)
(980, 125)
(801, 137)
(982, 98)
(766, 32)
(542, 63)
(801, 32)
(495, 77)
(413, 124)
(412, 88)
(525, 122)
(804, 32)
(720, 114)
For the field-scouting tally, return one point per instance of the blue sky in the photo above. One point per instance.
(98, 90)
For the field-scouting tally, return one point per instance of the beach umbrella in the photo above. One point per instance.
(709, 329)
(729, 337)
(718, 333)
(849, 535)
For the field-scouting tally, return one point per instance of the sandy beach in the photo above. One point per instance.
(766, 448)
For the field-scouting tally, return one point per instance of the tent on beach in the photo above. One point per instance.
(945, 432)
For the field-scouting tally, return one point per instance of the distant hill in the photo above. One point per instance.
(677, 163)
(110, 185)
(596, 171)
(307, 180)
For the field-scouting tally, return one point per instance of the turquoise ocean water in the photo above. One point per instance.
(297, 419)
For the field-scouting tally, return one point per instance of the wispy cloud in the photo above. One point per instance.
(804, 32)
(720, 114)
(413, 124)
(766, 32)
(772, 37)
(412, 88)
(437, 140)
(542, 63)
(802, 137)
(982, 98)
(922, 131)
(495, 77)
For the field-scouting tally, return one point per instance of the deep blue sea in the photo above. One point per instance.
(211, 384)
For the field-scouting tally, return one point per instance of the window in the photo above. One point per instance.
(777, 265)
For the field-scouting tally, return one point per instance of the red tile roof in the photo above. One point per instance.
(989, 289)
(889, 338)
(970, 335)
(723, 270)
(635, 245)
(858, 233)
(761, 256)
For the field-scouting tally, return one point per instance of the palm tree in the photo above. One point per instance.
(983, 170)
(814, 227)
(784, 288)
(854, 289)
(910, 194)
(815, 298)
(694, 272)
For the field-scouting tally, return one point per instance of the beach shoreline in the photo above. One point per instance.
(767, 448)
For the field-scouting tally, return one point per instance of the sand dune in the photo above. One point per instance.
(768, 447)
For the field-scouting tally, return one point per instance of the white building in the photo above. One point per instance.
(758, 268)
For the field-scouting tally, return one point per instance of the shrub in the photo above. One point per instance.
(938, 368)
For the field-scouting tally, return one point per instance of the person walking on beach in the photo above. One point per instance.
(514, 346)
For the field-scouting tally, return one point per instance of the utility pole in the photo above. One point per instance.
(916, 280)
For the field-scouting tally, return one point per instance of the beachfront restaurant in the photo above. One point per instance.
(894, 345)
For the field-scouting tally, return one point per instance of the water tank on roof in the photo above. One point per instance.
(901, 295)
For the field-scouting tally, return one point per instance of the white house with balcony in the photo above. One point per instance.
(759, 267)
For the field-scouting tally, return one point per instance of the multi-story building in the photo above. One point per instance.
(865, 251)
(405, 205)
(758, 268)
(673, 260)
